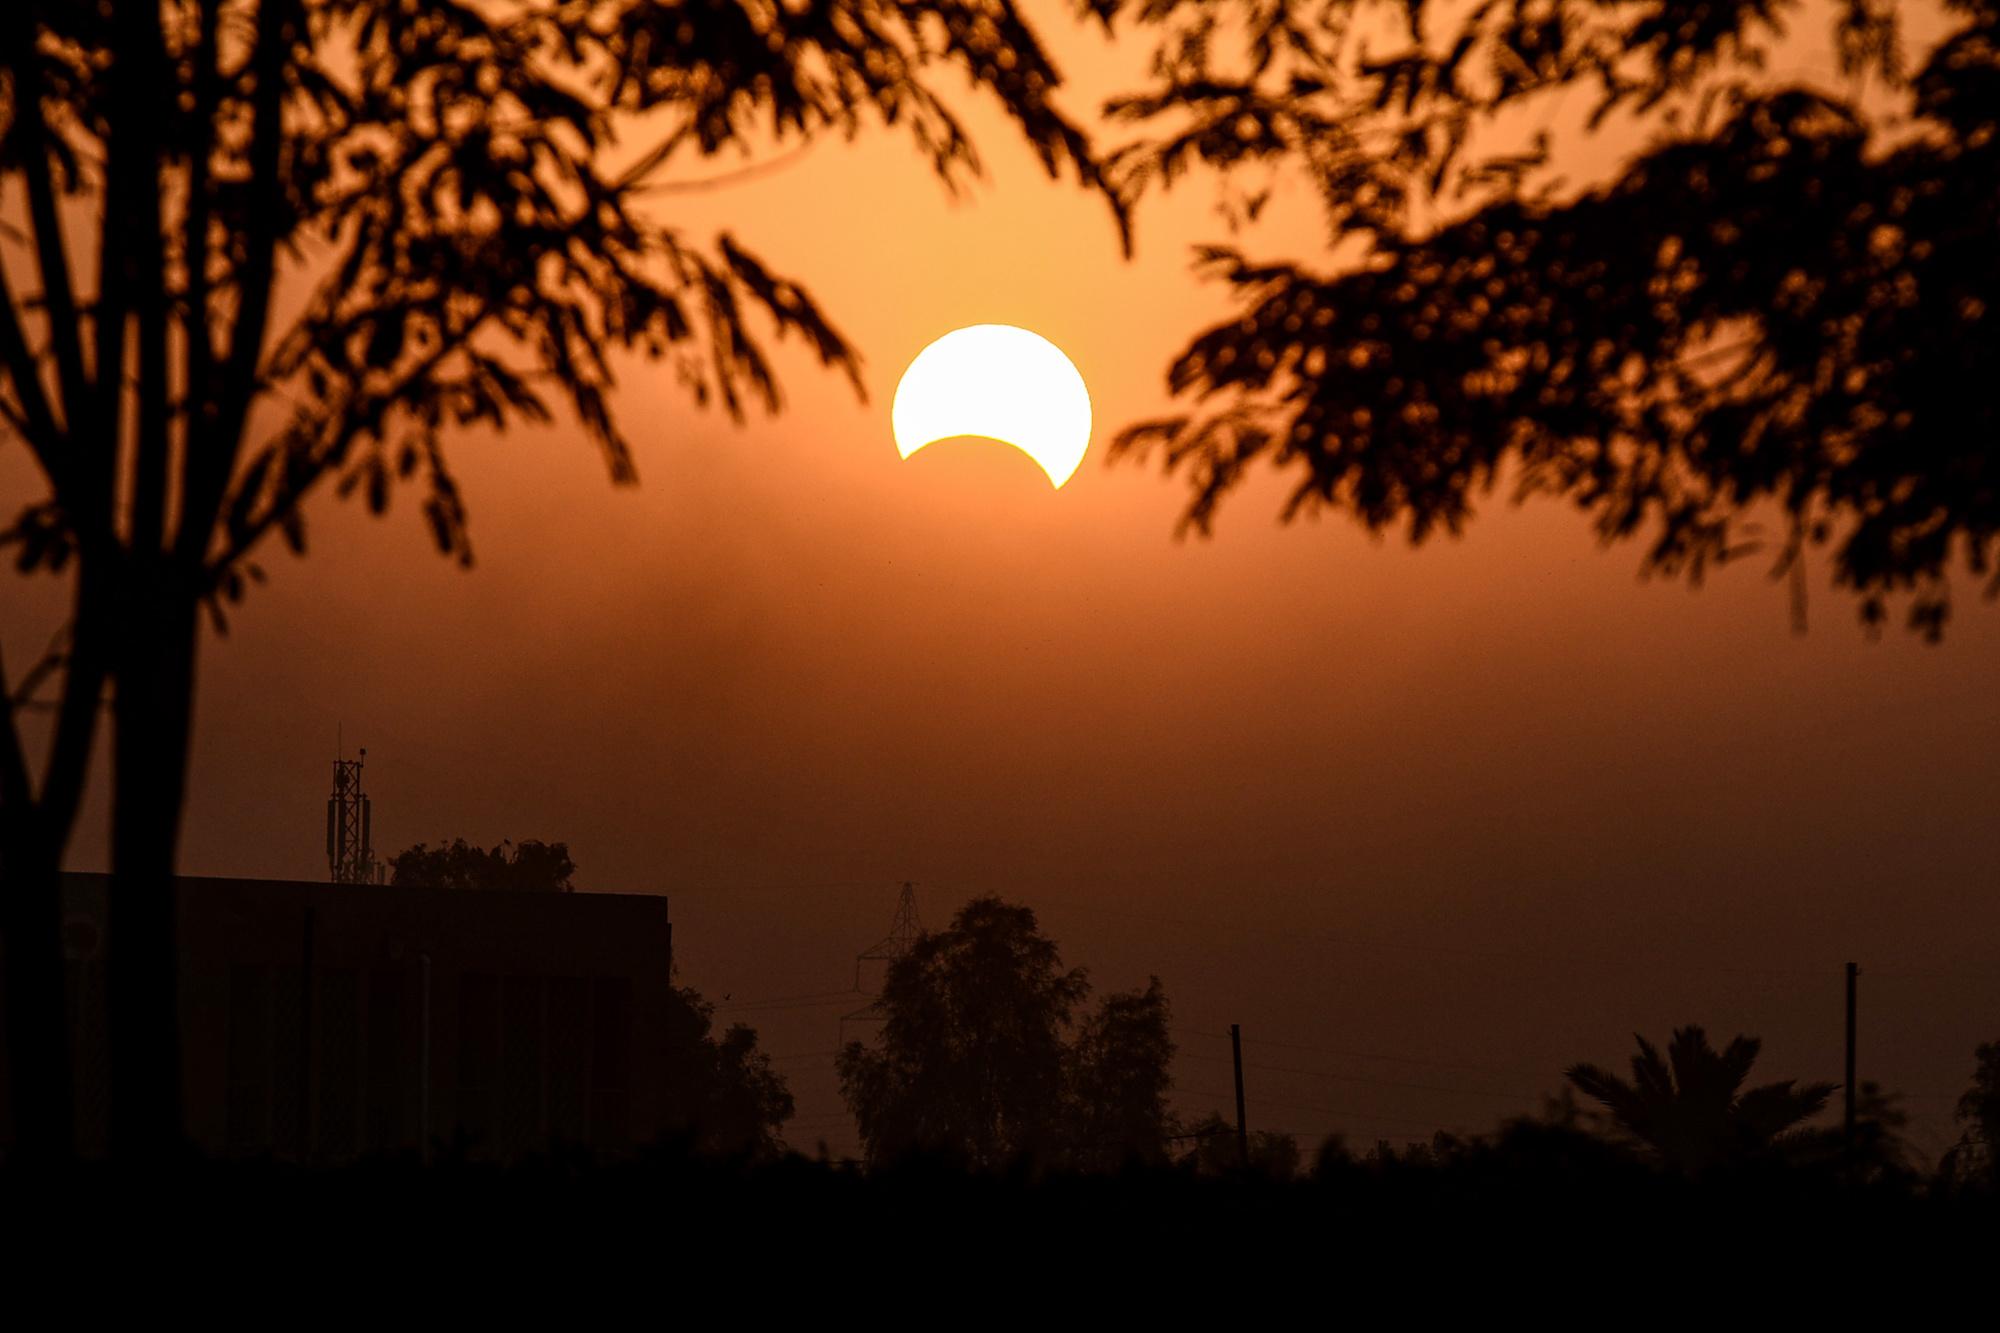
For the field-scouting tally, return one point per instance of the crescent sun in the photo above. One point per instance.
(1000, 383)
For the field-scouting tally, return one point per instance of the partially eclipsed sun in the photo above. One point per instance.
(1000, 383)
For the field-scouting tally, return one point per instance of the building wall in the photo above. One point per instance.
(312, 1013)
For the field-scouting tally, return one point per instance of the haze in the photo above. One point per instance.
(1491, 806)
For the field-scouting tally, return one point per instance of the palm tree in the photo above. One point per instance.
(1690, 1107)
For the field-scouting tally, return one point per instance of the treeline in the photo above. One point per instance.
(1678, 1179)
(992, 1059)
(989, 1059)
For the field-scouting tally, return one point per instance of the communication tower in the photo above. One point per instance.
(350, 853)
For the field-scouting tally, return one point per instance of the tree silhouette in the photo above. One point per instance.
(1770, 326)
(721, 1091)
(971, 1056)
(259, 248)
(977, 1060)
(529, 867)
(1878, 1151)
(1118, 1081)
(1690, 1109)
(1213, 1151)
(1975, 1158)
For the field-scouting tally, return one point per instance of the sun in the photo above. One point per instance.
(1000, 383)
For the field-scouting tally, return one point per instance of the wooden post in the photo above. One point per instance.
(1847, 1130)
(424, 1065)
(1242, 1129)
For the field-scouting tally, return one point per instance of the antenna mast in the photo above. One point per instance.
(903, 935)
(350, 852)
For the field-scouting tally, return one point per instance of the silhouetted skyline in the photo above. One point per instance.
(1431, 825)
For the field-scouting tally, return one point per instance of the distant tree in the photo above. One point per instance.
(982, 1057)
(1212, 1150)
(1689, 1108)
(1560, 1111)
(530, 867)
(971, 1056)
(721, 1091)
(1879, 1122)
(1443, 1149)
(1879, 1151)
(257, 249)
(1771, 321)
(1119, 1077)
(1975, 1158)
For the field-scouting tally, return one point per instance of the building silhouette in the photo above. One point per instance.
(324, 1022)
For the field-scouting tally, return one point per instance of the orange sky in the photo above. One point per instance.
(1488, 807)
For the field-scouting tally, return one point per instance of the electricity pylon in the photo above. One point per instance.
(903, 935)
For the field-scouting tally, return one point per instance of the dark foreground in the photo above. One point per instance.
(1554, 1225)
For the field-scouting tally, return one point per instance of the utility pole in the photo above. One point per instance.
(1848, 1123)
(424, 1065)
(1242, 1129)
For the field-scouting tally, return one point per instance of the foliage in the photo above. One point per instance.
(1975, 1158)
(1782, 305)
(1878, 1152)
(1118, 1080)
(984, 1059)
(971, 1057)
(1213, 1151)
(251, 250)
(448, 182)
(530, 867)
(722, 1093)
(1690, 1110)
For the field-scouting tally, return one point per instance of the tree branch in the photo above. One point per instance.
(137, 73)
(346, 423)
(51, 658)
(208, 469)
(38, 424)
(77, 715)
(65, 336)
(114, 270)
(195, 330)
(17, 799)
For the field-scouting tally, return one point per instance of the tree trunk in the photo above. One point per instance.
(154, 670)
(38, 1067)
(35, 830)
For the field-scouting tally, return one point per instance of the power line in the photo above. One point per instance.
(1336, 1112)
(1352, 1055)
(1953, 975)
(1535, 958)
(1374, 1082)
(1457, 951)
(790, 1001)
(789, 888)
(1595, 959)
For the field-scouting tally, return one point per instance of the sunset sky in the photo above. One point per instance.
(1488, 807)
